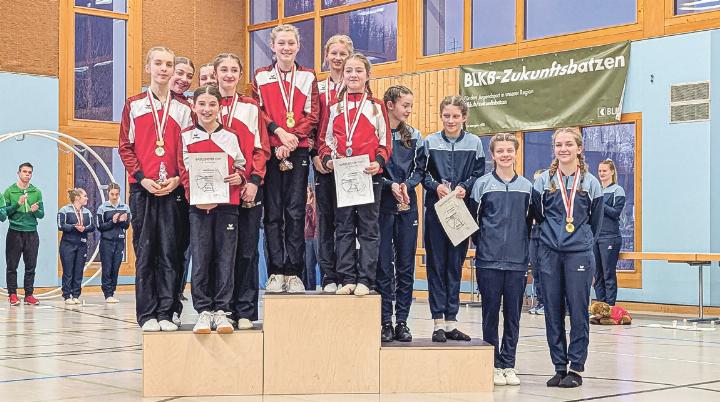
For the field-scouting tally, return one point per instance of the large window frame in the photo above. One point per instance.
(380, 69)
(93, 129)
(93, 132)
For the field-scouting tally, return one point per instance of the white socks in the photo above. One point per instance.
(439, 324)
(450, 325)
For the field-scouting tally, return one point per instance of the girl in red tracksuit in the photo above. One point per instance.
(357, 125)
(242, 115)
(149, 136)
(288, 97)
(213, 227)
(337, 49)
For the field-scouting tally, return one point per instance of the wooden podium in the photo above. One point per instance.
(310, 344)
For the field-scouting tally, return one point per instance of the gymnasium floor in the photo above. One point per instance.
(93, 353)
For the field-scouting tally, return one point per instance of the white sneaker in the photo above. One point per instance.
(293, 284)
(151, 326)
(221, 322)
(203, 323)
(330, 288)
(346, 289)
(275, 284)
(176, 319)
(77, 301)
(361, 290)
(111, 300)
(70, 301)
(167, 326)
(244, 323)
(499, 377)
(511, 376)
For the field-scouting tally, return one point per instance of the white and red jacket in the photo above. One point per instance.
(196, 140)
(306, 102)
(138, 136)
(328, 90)
(372, 135)
(248, 124)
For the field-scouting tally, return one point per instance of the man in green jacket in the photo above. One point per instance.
(23, 206)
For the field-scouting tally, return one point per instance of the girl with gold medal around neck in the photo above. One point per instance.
(568, 203)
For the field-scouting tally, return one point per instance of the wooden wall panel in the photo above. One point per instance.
(429, 89)
(29, 37)
(208, 28)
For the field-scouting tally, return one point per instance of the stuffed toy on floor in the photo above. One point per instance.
(603, 314)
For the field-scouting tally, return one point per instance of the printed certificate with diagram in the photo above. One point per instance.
(207, 174)
(352, 185)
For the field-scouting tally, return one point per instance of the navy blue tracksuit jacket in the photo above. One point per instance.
(73, 247)
(112, 243)
(459, 161)
(607, 248)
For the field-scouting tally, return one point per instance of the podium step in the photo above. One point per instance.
(321, 344)
(184, 364)
(425, 366)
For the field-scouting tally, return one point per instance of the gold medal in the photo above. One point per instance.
(290, 119)
(160, 143)
(160, 151)
(570, 227)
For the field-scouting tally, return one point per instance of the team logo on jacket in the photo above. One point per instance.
(230, 226)
(415, 222)
(581, 269)
(178, 198)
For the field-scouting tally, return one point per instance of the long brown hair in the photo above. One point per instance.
(577, 136)
(393, 94)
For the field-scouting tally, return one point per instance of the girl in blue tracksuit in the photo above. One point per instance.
(568, 206)
(399, 216)
(538, 308)
(455, 159)
(112, 220)
(607, 248)
(501, 255)
(75, 222)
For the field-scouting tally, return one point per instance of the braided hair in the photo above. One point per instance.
(393, 94)
(577, 136)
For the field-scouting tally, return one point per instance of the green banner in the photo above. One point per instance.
(577, 87)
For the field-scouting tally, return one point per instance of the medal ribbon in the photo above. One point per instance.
(78, 215)
(568, 202)
(227, 119)
(350, 129)
(159, 126)
(281, 80)
(327, 89)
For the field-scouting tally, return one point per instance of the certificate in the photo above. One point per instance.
(455, 218)
(352, 185)
(207, 173)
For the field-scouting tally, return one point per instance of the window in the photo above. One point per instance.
(296, 7)
(695, 6)
(373, 31)
(263, 11)
(83, 179)
(443, 22)
(615, 141)
(118, 6)
(338, 3)
(372, 24)
(555, 17)
(261, 55)
(493, 23)
(99, 68)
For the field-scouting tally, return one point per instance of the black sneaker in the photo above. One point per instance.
(439, 336)
(557, 379)
(386, 333)
(571, 380)
(402, 332)
(456, 335)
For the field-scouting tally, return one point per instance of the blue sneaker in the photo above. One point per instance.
(540, 310)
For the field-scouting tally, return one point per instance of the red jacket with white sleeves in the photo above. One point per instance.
(248, 124)
(196, 140)
(328, 90)
(138, 136)
(372, 135)
(306, 102)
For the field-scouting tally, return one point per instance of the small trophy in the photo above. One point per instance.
(162, 176)
(285, 165)
(404, 205)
